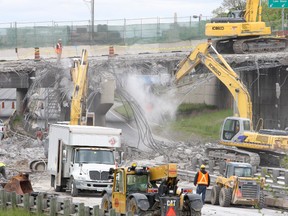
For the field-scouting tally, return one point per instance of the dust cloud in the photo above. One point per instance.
(150, 93)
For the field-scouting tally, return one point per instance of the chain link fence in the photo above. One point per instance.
(105, 32)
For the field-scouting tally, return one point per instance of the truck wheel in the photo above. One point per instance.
(215, 194)
(187, 209)
(195, 213)
(133, 207)
(105, 203)
(74, 190)
(225, 197)
(53, 184)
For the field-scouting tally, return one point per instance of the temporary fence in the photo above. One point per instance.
(105, 32)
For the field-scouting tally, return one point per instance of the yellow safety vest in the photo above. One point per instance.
(2, 164)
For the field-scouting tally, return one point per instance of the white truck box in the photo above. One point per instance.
(68, 147)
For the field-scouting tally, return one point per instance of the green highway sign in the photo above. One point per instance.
(278, 3)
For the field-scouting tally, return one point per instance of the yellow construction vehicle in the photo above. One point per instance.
(153, 190)
(78, 115)
(244, 32)
(238, 186)
(236, 131)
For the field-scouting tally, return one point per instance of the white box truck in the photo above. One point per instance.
(79, 157)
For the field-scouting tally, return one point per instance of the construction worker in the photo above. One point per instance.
(202, 180)
(2, 169)
(58, 50)
(39, 135)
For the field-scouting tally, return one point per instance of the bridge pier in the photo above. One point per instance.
(21, 103)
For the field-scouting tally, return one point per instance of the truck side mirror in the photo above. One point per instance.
(111, 171)
(121, 158)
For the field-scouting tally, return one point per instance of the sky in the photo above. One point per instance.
(78, 10)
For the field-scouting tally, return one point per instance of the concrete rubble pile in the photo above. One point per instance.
(17, 151)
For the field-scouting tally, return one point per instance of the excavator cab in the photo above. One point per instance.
(19, 184)
(233, 129)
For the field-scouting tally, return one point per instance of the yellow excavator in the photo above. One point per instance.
(244, 32)
(237, 131)
(79, 72)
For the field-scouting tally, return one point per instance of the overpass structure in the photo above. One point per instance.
(265, 75)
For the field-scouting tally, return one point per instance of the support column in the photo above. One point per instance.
(100, 120)
(21, 104)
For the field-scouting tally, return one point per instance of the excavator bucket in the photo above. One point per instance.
(20, 184)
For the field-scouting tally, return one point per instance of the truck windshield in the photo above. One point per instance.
(243, 172)
(137, 183)
(94, 156)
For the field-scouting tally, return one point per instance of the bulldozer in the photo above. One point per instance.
(19, 184)
(238, 186)
(144, 190)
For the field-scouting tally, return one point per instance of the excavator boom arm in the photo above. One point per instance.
(79, 76)
(223, 72)
(253, 10)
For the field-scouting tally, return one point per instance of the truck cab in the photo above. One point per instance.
(238, 169)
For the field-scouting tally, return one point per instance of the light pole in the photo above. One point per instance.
(199, 22)
(92, 20)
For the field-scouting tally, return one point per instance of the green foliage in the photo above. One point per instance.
(284, 162)
(271, 16)
(206, 124)
(201, 119)
(16, 212)
(125, 110)
(187, 108)
(17, 121)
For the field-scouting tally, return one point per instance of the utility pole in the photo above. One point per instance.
(92, 20)
(282, 15)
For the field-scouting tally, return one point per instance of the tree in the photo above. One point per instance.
(234, 4)
(272, 16)
(228, 5)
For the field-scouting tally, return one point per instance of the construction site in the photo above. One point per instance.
(59, 112)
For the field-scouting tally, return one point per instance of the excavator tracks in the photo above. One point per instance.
(261, 44)
(217, 155)
(251, 45)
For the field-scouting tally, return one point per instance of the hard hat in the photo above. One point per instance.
(60, 40)
(202, 166)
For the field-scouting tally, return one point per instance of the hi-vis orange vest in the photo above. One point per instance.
(58, 48)
(202, 178)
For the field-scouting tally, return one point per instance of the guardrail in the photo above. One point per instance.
(277, 176)
(41, 203)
